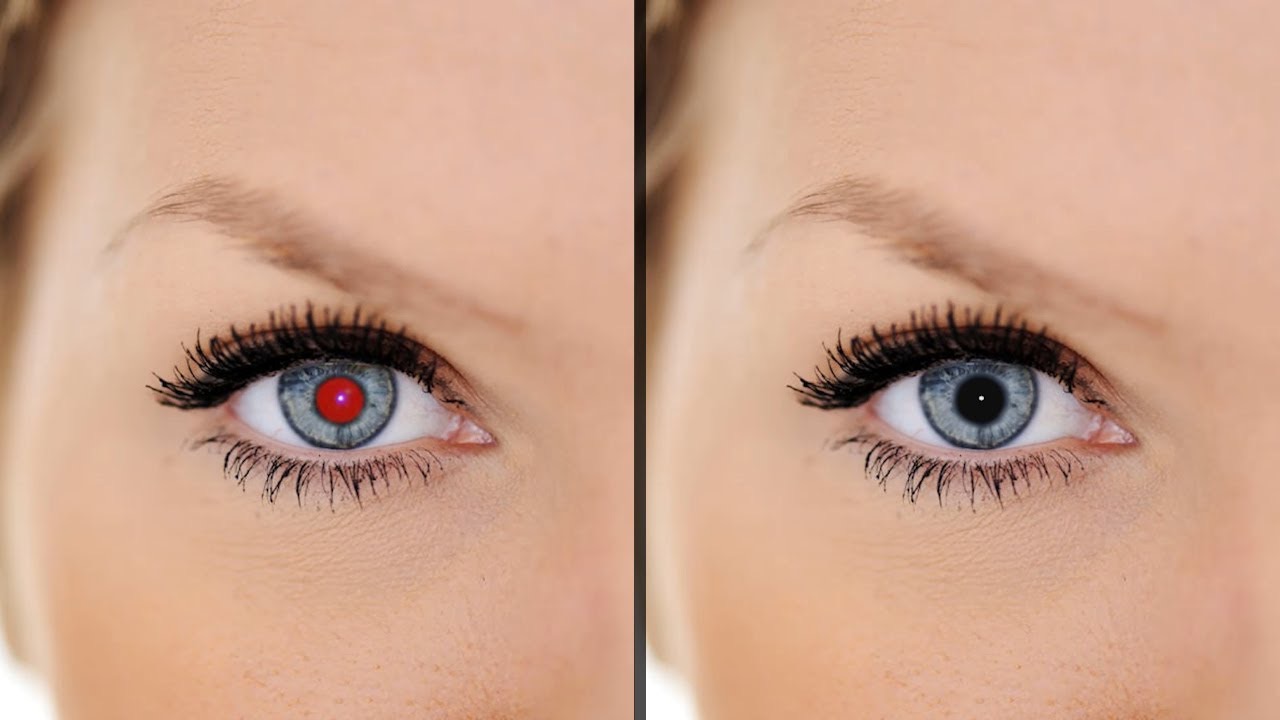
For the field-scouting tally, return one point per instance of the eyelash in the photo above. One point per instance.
(216, 368)
(242, 458)
(859, 368)
(994, 476)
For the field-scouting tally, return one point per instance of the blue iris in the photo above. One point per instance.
(978, 404)
(297, 393)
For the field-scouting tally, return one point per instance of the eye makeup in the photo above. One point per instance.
(948, 402)
(317, 399)
(975, 478)
(355, 478)
(858, 368)
(217, 367)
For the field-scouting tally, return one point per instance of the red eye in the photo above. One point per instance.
(340, 400)
(344, 405)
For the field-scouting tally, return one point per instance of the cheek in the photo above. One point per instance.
(166, 616)
(784, 603)
(796, 577)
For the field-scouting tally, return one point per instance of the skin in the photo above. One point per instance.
(1112, 166)
(466, 169)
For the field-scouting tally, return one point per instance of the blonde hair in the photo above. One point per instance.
(24, 31)
(668, 111)
(668, 26)
(24, 28)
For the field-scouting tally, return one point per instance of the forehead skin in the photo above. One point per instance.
(319, 101)
(1136, 105)
(483, 145)
(1127, 147)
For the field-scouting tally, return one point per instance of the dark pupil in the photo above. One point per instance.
(980, 400)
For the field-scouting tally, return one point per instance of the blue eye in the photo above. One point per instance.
(978, 404)
(982, 405)
(346, 405)
(337, 405)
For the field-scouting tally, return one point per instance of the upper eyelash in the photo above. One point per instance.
(859, 368)
(217, 367)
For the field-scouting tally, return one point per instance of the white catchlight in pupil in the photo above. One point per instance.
(979, 404)
(988, 405)
(979, 399)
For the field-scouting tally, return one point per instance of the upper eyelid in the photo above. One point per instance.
(218, 367)
(879, 358)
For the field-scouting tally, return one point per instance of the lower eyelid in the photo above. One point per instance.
(925, 468)
(989, 475)
(281, 471)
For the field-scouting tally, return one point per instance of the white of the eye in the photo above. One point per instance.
(416, 415)
(1058, 414)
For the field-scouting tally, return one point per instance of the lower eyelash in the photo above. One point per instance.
(996, 478)
(244, 460)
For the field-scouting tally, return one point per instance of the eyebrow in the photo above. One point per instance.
(283, 235)
(918, 233)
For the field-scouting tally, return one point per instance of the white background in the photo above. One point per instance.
(21, 696)
(665, 697)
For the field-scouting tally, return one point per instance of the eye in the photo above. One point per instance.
(986, 405)
(344, 405)
(959, 384)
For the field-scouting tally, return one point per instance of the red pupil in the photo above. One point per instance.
(339, 400)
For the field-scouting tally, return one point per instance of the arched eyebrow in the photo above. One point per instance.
(283, 235)
(915, 232)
